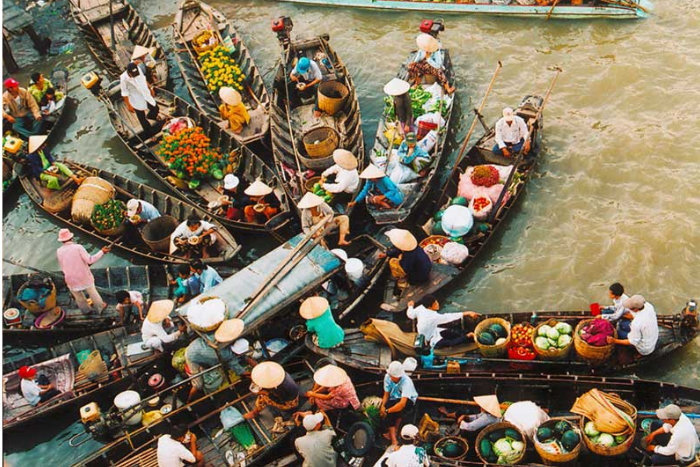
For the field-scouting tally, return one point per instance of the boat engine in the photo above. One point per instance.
(92, 82)
(283, 27)
(432, 27)
(99, 425)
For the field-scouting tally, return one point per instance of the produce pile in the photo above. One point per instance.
(502, 447)
(485, 175)
(419, 99)
(560, 440)
(189, 154)
(493, 335)
(437, 228)
(109, 215)
(318, 190)
(556, 337)
(604, 439)
(521, 342)
(220, 69)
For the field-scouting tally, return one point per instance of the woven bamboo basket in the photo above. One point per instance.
(213, 326)
(495, 427)
(492, 350)
(118, 230)
(551, 458)
(604, 450)
(156, 233)
(321, 142)
(33, 306)
(91, 192)
(201, 49)
(549, 354)
(590, 353)
(332, 96)
(461, 441)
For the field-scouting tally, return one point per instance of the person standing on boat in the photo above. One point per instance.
(346, 177)
(153, 333)
(409, 263)
(143, 58)
(319, 322)
(316, 446)
(43, 167)
(171, 451)
(399, 400)
(21, 110)
(644, 330)
(429, 61)
(277, 388)
(193, 236)
(263, 204)
(403, 108)
(307, 74)
(385, 193)
(35, 392)
(233, 110)
(408, 455)
(75, 263)
(315, 210)
(673, 439)
(138, 97)
(333, 390)
(206, 275)
(429, 321)
(512, 135)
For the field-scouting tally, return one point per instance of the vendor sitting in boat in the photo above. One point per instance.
(673, 439)
(50, 102)
(129, 303)
(43, 167)
(403, 108)
(429, 62)
(233, 111)
(36, 390)
(263, 204)
(204, 276)
(333, 390)
(316, 446)
(412, 155)
(275, 388)
(409, 263)
(399, 400)
(193, 237)
(232, 200)
(429, 321)
(319, 322)
(385, 193)
(489, 414)
(644, 330)
(141, 212)
(153, 331)
(178, 448)
(307, 76)
(314, 210)
(40, 86)
(410, 453)
(20, 110)
(512, 135)
(186, 284)
(346, 177)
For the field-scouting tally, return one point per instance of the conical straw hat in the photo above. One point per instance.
(330, 376)
(372, 171)
(427, 43)
(402, 239)
(140, 51)
(489, 404)
(36, 141)
(310, 200)
(160, 309)
(313, 307)
(345, 159)
(229, 330)
(268, 375)
(230, 96)
(396, 87)
(258, 188)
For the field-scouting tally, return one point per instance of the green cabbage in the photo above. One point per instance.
(517, 445)
(543, 330)
(563, 341)
(590, 429)
(553, 334)
(563, 328)
(502, 447)
(542, 342)
(552, 342)
(606, 439)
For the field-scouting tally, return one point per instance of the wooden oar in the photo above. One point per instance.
(551, 10)
(302, 185)
(453, 401)
(518, 160)
(471, 130)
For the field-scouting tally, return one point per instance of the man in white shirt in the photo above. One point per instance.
(35, 392)
(644, 330)
(139, 98)
(512, 135)
(408, 455)
(673, 438)
(152, 332)
(346, 177)
(172, 451)
(316, 446)
(193, 227)
(429, 320)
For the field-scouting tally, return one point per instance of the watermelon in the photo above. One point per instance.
(485, 448)
(438, 215)
(543, 434)
(459, 200)
(496, 435)
(437, 229)
(498, 330)
(457, 240)
(619, 439)
(486, 338)
(513, 434)
(570, 439)
(561, 427)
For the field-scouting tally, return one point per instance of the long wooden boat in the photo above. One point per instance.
(480, 153)
(247, 165)
(112, 29)
(292, 117)
(388, 342)
(632, 9)
(416, 190)
(194, 17)
(152, 281)
(112, 375)
(125, 190)
(554, 393)
(203, 418)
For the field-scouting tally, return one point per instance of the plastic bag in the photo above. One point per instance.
(433, 117)
(429, 141)
(454, 253)
(230, 417)
(398, 172)
(480, 212)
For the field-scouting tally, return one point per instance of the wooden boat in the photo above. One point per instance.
(249, 167)
(194, 17)
(389, 343)
(292, 119)
(415, 191)
(112, 29)
(554, 393)
(591, 9)
(203, 418)
(152, 281)
(480, 153)
(77, 387)
(125, 190)
(9, 178)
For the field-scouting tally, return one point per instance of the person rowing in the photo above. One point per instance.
(512, 135)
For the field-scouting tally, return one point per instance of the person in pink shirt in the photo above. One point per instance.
(75, 263)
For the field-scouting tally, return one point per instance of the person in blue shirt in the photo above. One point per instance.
(307, 76)
(183, 282)
(146, 211)
(412, 155)
(399, 399)
(207, 275)
(389, 196)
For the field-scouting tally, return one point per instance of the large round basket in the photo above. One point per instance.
(321, 142)
(594, 355)
(495, 427)
(551, 458)
(461, 442)
(604, 450)
(199, 310)
(550, 354)
(156, 233)
(331, 96)
(33, 306)
(59, 201)
(91, 192)
(204, 48)
(118, 230)
(492, 350)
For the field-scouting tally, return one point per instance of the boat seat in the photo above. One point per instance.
(148, 458)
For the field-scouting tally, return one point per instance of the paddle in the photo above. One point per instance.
(519, 158)
(49, 273)
(289, 123)
(551, 10)
(471, 129)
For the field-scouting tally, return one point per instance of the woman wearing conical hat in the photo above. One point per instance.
(43, 167)
(314, 210)
(263, 204)
(233, 110)
(333, 390)
(381, 190)
(429, 61)
(277, 388)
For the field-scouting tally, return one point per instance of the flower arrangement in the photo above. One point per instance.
(188, 153)
(220, 69)
(109, 215)
(485, 175)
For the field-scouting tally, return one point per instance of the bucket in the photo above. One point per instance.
(354, 268)
(595, 309)
(12, 316)
(124, 401)
(156, 233)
